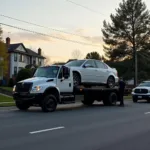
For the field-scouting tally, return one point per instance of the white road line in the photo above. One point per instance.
(45, 130)
(147, 113)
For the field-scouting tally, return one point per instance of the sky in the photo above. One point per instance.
(83, 25)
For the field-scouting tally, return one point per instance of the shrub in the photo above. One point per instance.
(11, 82)
(23, 74)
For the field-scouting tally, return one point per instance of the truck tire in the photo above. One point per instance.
(111, 99)
(22, 105)
(49, 103)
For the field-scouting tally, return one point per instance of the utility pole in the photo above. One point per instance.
(135, 67)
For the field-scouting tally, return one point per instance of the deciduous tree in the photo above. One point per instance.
(3, 57)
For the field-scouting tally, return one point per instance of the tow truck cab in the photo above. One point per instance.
(52, 85)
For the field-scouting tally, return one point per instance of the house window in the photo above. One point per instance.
(39, 61)
(15, 70)
(34, 62)
(15, 56)
(21, 58)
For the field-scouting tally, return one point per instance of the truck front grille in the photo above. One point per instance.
(23, 87)
(141, 91)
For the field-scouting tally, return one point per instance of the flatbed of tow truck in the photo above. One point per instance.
(107, 95)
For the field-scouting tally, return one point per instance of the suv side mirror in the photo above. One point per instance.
(88, 66)
(66, 72)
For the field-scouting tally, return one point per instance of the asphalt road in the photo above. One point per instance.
(77, 128)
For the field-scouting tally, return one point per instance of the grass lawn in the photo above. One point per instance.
(128, 97)
(6, 88)
(6, 99)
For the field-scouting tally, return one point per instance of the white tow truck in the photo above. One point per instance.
(53, 85)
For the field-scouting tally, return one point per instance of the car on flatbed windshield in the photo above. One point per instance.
(93, 72)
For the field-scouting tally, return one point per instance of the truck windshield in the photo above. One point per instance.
(147, 84)
(75, 63)
(48, 72)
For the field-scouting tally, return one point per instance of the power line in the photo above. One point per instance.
(43, 34)
(41, 26)
(85, 7)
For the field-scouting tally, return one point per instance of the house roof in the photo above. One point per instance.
(13, 47)
(32, 53)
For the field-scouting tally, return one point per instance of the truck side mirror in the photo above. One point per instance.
(66, 72)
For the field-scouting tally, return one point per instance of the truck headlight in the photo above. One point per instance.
(36, 88)
(14, 88)
(133, 90)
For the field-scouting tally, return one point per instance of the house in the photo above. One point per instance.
(20, 57)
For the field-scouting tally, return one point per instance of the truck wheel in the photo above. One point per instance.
(49, 103)
(111, 99)
(22, 106)
(110, 82)
(134, 100)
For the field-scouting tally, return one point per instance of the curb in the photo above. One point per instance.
(6, 95)
(3, 91)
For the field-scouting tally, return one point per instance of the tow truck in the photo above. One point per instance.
(53, 85)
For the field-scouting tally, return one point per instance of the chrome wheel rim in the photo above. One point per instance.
(76, 79)
(111, 82)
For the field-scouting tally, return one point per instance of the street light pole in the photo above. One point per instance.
(135, 67)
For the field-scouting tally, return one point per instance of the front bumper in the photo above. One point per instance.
(141, 96)
(28, 97)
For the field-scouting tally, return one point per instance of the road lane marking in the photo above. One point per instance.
(147, 113)
(46, 130)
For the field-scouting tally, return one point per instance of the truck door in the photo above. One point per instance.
(66, 85)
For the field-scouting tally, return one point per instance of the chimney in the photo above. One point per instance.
(7, 42)
(39, 51)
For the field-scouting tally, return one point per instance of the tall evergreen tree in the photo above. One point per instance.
(128, 34)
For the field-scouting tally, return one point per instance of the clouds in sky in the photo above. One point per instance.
(57, 50)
